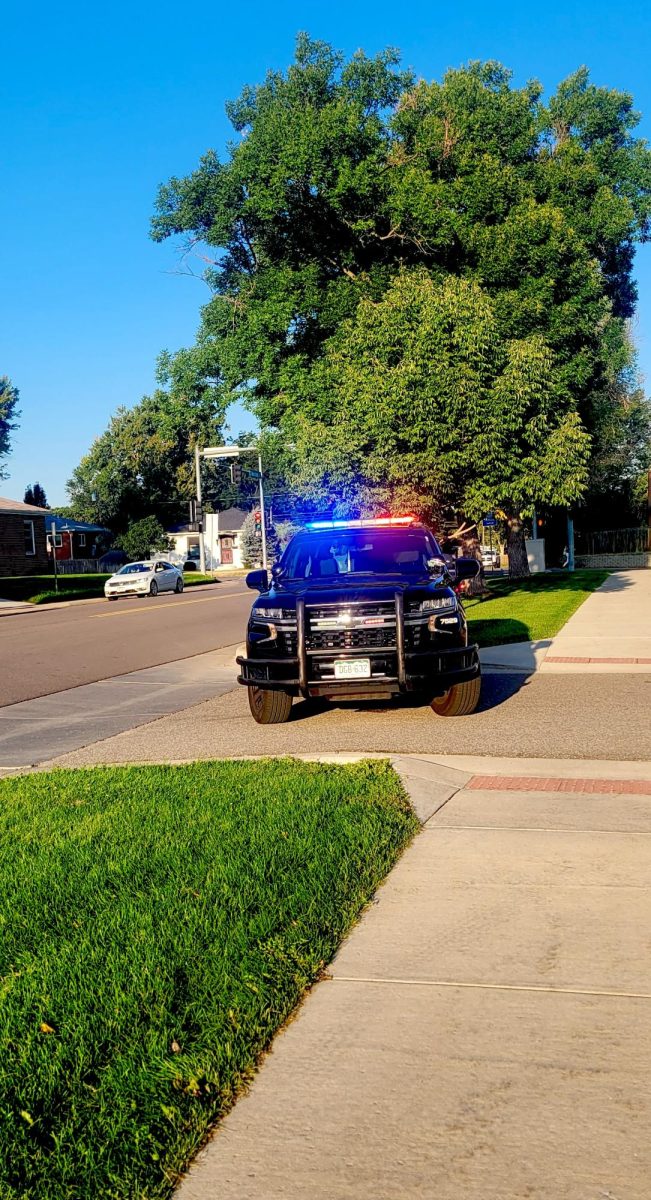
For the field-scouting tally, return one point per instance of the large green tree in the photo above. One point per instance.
(420, 404)
(348, 173)
(8, 417)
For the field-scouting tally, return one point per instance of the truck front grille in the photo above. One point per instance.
(362, 626)
(287, 642)
(351, 639)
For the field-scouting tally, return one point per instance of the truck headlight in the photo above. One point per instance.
(269, 614)
(439, 604)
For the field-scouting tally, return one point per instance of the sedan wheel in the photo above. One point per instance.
(153, 588)
(179, 586)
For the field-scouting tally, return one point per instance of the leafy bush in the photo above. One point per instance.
(143, 538)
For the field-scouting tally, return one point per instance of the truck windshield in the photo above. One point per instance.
(358, 552)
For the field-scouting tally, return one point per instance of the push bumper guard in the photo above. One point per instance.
(416, 670)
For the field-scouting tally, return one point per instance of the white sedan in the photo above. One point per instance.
(144, 579)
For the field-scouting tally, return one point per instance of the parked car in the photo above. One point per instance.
(490, 558)
(144, 579)
(356, 610)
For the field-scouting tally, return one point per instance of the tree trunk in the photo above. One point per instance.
(471, 548)
(515, 547)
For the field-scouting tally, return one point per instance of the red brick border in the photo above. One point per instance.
(537, 783)
(560, 658)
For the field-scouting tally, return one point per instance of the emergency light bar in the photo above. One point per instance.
(360, 523)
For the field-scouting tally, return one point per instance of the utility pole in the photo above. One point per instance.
(570, 542)
(202, 544)
(262, 515)
(53, 535)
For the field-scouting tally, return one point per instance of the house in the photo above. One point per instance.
(23, 547)
(221, 540)
(75, 539)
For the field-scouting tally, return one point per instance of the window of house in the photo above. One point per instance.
(82, 539)
(30, 541)
(58, 540)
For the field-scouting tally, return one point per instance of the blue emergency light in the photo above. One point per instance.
(360, 522)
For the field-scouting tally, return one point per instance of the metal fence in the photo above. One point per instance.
(613, 541)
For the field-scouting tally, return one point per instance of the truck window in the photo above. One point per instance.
(331, 554)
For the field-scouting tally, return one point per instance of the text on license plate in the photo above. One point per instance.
(356, 668)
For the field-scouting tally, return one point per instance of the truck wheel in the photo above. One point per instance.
(269, 708)
(459, 700)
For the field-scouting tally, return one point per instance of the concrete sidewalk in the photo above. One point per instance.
(484, 1033)
(611, 631)
(33, 731)
(14, 606)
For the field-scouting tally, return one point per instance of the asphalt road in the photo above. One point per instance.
(52, 649)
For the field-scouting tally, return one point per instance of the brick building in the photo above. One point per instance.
(23, 547)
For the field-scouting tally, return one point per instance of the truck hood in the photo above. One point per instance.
(364, 588)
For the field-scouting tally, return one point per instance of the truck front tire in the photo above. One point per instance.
(269, 708)
(459, 700)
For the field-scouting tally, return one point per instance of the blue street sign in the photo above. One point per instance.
(489, 521)
(253, 474)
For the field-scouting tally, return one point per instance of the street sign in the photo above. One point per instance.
(253, 474)
(489, 521)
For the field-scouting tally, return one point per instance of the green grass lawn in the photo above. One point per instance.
(529, 609)
(39, 589)
(158, 925)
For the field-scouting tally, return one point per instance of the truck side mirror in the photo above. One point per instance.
(467, 568)
(436, 566)
(258, 581)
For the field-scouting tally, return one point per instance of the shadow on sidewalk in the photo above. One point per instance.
(497, 685)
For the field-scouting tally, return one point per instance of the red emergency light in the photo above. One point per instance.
(361, 522)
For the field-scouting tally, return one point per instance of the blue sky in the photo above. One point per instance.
(100, 104)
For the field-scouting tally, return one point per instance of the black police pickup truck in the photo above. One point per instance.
(358, 610)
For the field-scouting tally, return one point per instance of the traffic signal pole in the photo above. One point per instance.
(262, 515)
(234, 452)
(202, 544)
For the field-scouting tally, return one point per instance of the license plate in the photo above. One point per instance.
(356, 668)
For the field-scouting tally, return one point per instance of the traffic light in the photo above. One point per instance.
(236, 474)
(196, 516)
(257, 516)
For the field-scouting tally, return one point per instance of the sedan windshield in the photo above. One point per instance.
(135, 569)
(358, 552)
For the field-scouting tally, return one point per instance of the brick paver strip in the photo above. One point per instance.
(537, 783)
(562, 658)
